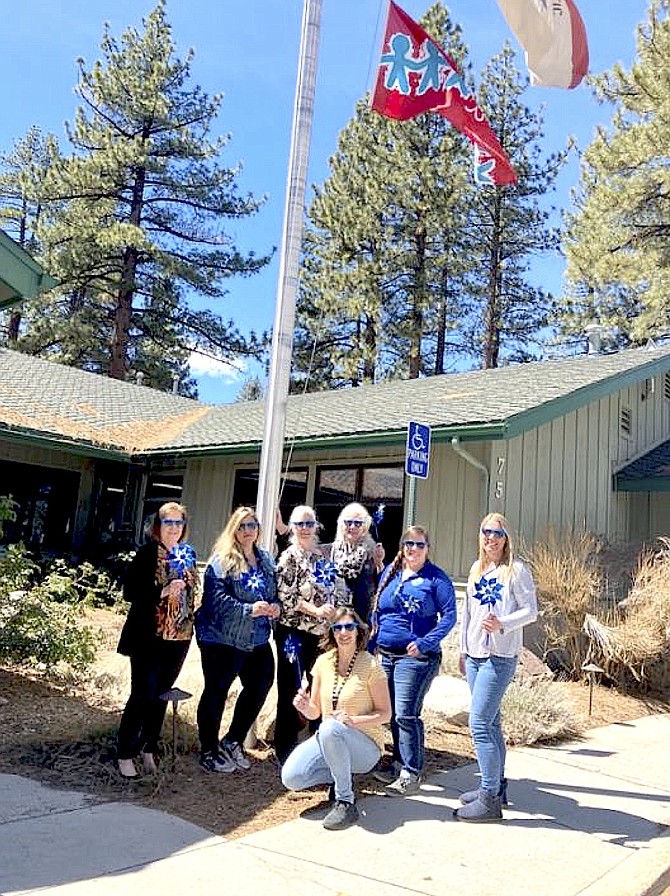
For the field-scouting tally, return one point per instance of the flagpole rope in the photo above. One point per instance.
(375, 43)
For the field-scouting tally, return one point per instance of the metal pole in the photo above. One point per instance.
(410, 507)
(287, 287)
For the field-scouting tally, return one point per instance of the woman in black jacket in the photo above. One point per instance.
(160, 586)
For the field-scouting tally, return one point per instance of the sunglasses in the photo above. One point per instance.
(172, 522)
(414, 544)
(356, 523)
(304, 524)
(249, 526)
(344, 626)
(494, 533)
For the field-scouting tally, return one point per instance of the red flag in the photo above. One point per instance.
(416, 75)
(554, 38)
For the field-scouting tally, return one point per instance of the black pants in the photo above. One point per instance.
(221, 665)
(152, 672)
(288, 722)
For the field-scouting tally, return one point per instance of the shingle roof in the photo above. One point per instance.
(57, 402)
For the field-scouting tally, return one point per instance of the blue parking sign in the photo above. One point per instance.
(417, 454)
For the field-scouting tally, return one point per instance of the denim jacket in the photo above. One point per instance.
(225, 615)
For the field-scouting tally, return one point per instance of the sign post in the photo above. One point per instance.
(417, 463)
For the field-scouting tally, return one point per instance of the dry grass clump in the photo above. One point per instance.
(535, 711)
(640, 635)
(569, 581)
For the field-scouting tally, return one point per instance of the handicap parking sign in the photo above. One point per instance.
(417, 454)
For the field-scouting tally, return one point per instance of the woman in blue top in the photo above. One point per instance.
(414, 609)
(232, 627)
(500, 601)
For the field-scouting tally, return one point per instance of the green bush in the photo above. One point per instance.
(18, 570)
(34, 629)
(83, 584)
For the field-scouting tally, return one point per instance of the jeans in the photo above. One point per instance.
(152, 673)
(221, 665)
(331, 755)
(488, 679)
(288, 722)
(409, 679)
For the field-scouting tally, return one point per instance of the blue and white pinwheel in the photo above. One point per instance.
(488, 592)
(325, 573)
(254, 581)
(292, 654)
(377, 518)
(180, 558)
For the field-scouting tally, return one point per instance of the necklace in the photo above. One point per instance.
(337, 687)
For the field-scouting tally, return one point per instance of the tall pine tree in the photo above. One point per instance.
(133, 218)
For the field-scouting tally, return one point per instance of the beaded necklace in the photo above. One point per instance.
(338, 690)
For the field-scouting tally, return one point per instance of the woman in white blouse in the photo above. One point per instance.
(500, 601)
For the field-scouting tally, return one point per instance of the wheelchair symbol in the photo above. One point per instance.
(418, 443)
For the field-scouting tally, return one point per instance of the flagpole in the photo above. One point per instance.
(287, 286)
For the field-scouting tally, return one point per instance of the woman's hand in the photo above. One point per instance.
(492, 624)
(174, 588)
(461, 664)
(302, 701)
(341, 716)
(378, 555)
(262, 608)
(413, 650)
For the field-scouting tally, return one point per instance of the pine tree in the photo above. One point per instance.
(618, 240)
(383, 257)
(509, 226)
(133, 220)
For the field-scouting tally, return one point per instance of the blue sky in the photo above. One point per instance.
(247, 50)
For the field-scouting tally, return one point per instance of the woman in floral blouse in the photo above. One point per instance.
(308, 588)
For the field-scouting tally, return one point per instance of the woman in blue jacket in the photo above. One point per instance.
(233, 627)
(414, 609)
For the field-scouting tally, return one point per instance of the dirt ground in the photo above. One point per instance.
(64, 735)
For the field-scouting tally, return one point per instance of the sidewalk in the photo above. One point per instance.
(589, 818)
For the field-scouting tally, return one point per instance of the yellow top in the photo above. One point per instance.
(355, 697)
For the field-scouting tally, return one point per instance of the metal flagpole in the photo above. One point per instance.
(287, 287)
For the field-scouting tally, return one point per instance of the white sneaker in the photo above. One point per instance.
(234, 752)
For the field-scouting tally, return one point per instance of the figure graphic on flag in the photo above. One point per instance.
(415, 76)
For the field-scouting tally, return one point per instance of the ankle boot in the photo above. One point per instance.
(471, 795)
(485, 808)
(149, 763)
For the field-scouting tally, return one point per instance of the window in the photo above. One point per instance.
(46, 504)
(371, 486)
(293, 490)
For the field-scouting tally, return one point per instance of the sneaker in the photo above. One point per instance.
(234, 752)
(404, 785)
(213, 763)
(341, 816)
(387, 772)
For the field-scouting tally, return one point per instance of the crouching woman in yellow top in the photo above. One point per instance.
(350, 692)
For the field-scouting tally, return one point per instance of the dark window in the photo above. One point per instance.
(46, 502)
(293, 490)
(371, 486)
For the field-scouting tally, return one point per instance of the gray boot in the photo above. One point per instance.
(471, 795)
(485, 808)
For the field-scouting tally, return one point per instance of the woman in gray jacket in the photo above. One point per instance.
(233, 627)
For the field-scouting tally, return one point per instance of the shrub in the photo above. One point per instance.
(85, 584)
(18, 570)
(34, 629)
(534, 711)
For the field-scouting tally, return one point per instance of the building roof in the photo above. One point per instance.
(648, 473)
(21, 277)
(47, 402)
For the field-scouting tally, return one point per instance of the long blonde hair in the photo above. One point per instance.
(227, 548)
(494, 521)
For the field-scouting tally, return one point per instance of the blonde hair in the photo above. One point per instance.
(227, 548)
(303, 510)
(497, 521)
(359, 512)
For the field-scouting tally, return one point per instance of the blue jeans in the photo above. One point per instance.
(330, 756)
(488, 679)
(409, 679)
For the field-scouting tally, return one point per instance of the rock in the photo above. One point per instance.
(531, 666)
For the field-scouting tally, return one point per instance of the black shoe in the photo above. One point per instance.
(341, 816)
(210, 762)
(331, 794)
(386, 772)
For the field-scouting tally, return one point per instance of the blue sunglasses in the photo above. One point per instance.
(344, 626)
(248, 526)
(304, 524)
(494, 533)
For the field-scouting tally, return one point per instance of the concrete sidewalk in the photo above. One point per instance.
(588, 818)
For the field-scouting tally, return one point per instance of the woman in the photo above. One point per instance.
(233, 626)
(500, 600)
(156, 635)
(415, 608)
(350, 693)
(357, 558)
(308, 591)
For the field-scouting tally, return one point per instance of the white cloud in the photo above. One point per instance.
(203, 365)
